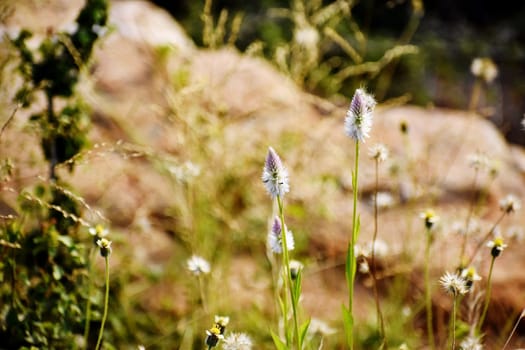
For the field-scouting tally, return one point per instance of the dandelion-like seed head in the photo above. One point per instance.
(105, 247)
(379, 152)
(510, 204)
(453, 284)
(275, 237)
(237, 341)
(275, 175)
(197, 265)
(430, 218)
(497, 246)
(484, 68)
(471, 343)
(358, 120)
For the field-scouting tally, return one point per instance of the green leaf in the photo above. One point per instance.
(303, 329)
(279, 344)
(57, 272)
(296, 291)
(348, 323)
(65, 240)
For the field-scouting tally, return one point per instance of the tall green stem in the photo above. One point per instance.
(351, 261)
(106, 303)
(88, 303)
(288, 278)
(453, 323)
(373, 261)
(428, 292)
(487, 296)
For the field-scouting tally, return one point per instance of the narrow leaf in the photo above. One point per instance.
(279, 344)
(303, 330)
(348, 322)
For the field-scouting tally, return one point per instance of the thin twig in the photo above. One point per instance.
(11, 117)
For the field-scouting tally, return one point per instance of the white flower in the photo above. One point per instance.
(364, 268)
(185, 172)
(478, 160)
(384, 200)
(510, 204)
(380, 248)
(275, 175)
(523, 123)
(497, 246)
(320, 327)
(360, 251)
(222, 321)
(275, 237)
(358, 120)
(471, 343)
(430, 218)
(237, 341)
(295, 267)
(306, 36)
(454, 284)
(470, 276)
(516, 233)
(98, 231)
(198, 265)
(99, 30)
(378, 152)
(484, 68)
(105, 246)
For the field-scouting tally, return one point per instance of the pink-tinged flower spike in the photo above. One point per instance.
(275, 238)
(358, 121)
(275, 175)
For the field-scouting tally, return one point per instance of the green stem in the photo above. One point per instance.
(428, 294)
(52, 121)
(202, 295)
(288, 278)
(106, 302)
(474, 96)
(453, 321)
(351, 269)
(373, 261)
(469, 217)
(487, 296)
(88, 303)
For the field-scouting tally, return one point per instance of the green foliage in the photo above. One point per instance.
(54, 71)
(44, 271)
